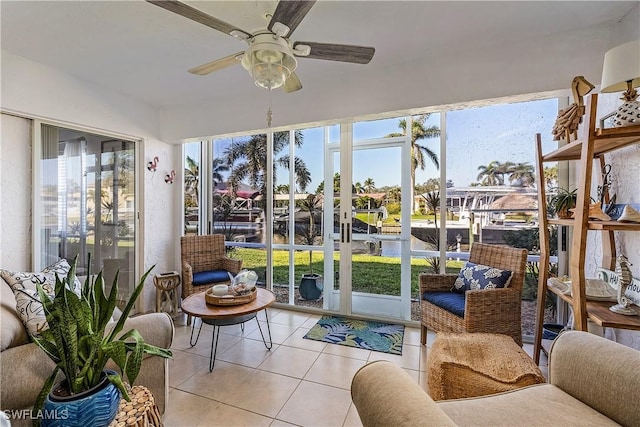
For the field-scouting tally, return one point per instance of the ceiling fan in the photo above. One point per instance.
(271, 57)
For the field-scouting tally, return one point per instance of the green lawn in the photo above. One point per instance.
(372, 274)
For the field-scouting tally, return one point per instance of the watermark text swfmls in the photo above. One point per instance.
(30, 414)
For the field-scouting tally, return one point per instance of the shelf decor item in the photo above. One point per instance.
(570, 117)
(595, 212)
(625, 280)
(562, 201)
(621, 72)
(629, 215)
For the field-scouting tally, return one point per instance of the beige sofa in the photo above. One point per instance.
(592, 382)
(24, 367)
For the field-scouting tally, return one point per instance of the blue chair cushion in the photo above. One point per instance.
(211, 276)
(477, 276)
(451, 301)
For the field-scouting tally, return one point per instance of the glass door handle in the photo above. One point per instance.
(348, 233)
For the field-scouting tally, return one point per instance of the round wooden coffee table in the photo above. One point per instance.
(217, 316)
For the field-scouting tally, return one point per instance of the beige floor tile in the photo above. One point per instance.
(336, 371)
(182, 336)
(237, 330)
(279, 333)
(225, 415)
(316, 405)
(297, 340)
(225, 378)
(185, 409)
(291, 361)
(424, 358)
(271, 312)
(353, 419)
(262, 392)
(290, 318)
(247, 352)
(311, 321)
(280, 423)
(410, 358)
(346, 351)
(411, 336)
(203, 347)
(431, 337)
(184, 365)
(528, 348)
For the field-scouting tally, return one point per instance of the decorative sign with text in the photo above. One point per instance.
(613, 279)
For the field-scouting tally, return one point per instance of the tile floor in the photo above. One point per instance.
(299, 382)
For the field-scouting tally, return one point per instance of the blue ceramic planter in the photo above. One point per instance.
(95, 407)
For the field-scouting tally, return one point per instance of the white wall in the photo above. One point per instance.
(34, 90)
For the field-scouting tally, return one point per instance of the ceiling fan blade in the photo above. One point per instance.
(292, 84)
(195, 15)
(339, 52)
(291, 13)
(218, 64)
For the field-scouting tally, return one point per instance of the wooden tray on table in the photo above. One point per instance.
(230, 299)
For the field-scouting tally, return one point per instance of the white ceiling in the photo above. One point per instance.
(143, 51)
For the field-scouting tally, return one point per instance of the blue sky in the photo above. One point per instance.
(475, 137)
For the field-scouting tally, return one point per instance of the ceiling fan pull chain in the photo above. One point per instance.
(269, 111)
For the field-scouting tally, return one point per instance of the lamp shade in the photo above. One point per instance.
(621, 64)
(269, 61)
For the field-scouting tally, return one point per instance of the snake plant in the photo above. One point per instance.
(78, 341)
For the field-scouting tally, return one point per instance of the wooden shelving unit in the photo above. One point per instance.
(592, 144)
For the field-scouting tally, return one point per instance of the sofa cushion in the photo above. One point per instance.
(477, 276)
(451, 301)
(211, 276)
(12, 332)
(536, 405)
(24, 286)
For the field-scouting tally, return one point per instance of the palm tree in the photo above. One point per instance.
(432, 202)
(419, 153)
(490, 174)
(192, 178)
(249, 160)
(358, 187)
(217, 168)
(369, 185)
(551, 176)
(523, 174)
(505, 168)
(313, 205)
(394, 194)
(282, 189)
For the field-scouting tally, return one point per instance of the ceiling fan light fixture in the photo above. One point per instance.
(269, 61)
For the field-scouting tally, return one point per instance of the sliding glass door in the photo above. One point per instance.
(371, 277)
(86, 204)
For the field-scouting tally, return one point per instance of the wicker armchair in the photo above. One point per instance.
(487, 310)
(204, 257)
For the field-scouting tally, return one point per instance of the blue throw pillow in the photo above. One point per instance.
(478, 276)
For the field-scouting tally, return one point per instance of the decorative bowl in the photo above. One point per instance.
(220, 290)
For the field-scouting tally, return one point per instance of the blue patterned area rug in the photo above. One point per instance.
(368, 335)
